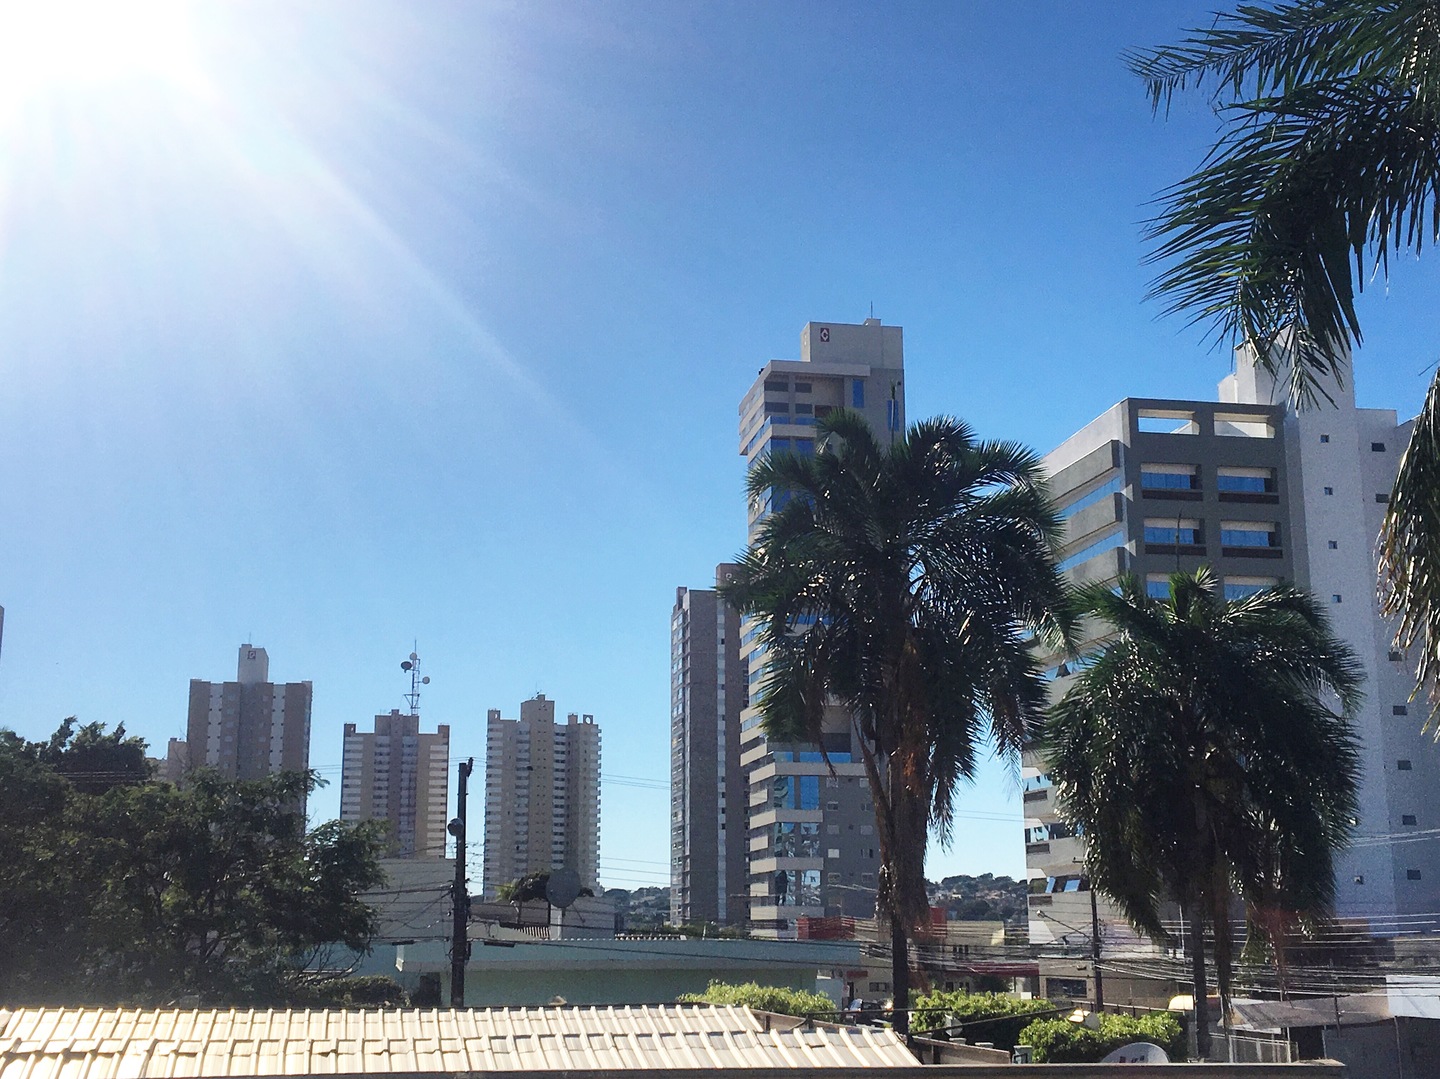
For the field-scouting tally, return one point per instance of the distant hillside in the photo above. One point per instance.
(980, 899)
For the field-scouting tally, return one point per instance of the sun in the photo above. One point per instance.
(49, 46)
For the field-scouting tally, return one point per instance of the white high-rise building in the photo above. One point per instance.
(542, 795)
(811, 834)
(1261, 494)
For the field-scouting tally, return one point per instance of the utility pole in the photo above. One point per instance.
(459, 933)
(1095, 949)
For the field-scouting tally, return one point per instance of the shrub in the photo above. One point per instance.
(765, 998)
(1059, 1041)
(1009, 1015)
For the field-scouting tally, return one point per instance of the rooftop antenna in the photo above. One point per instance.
(872, 308)
(412, 665)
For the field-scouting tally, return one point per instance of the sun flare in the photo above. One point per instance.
(58, 45)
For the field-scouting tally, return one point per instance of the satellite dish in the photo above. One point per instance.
(563, 887)
(413, 657)
(425, 681)
(405, 664)
(1137, 1053)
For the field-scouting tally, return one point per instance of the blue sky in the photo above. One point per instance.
(341, 325)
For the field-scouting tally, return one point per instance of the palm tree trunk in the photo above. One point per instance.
(1197, 982)
(900, 973)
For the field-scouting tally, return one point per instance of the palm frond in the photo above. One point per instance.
(1410, 551)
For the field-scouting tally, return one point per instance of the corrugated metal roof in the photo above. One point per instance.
(97, 1043)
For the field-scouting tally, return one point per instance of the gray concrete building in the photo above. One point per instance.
(1261, 494)
(811, 834)
(707, 787)
(542, 795)
(399, 775)
(248, 728)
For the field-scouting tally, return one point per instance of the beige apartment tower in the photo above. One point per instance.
(399, 775)
(246, 729)
(542, 795)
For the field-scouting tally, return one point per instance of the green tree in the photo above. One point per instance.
(145, 892)
(1328, 163)
(1199, 756)
(904, 585)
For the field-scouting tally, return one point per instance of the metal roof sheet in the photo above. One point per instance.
(94, 1043)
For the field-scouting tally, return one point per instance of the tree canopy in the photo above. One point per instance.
(1328, 163)
(902, 587)
(118, 889)
(1200, 757)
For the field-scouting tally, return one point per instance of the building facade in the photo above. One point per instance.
(248, 728)
(810, 831)
(396, 774)
(542, 795)
(707, 810)
(1261, 494)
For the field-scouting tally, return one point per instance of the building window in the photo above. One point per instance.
(832, 878)
(1408, 818)
(1334, 545)
(1329, 490)
(1399, 710)
(1403, 765)
(857, 393)
(1412, 874)
(1245, 481)
(1173, 532)
(1157, 586)
(1396, 656)
(1382, 499)
(1249, 534)
(831, 807)
(832, 852)
(1169, 477)
(1244, 587)
(1335, 597)
(867, 878)
(802, 387)
(1324, 438)
(1377, 447)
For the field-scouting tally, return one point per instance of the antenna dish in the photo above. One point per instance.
(405, 664)
(563, 887)
(413, 657)
(425, 681)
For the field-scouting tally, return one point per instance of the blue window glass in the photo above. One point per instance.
(809, 792)
(1244, 484)
(857, 393)
(1171, 534)
(1108, 488)
(1157, 589)
(803, 446)
(1237, 537)
(1115, 539)
(1242, 591)
(1174, 481)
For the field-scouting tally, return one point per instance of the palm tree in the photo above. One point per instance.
(1329, 162)
(906, 584)
(1198, 755)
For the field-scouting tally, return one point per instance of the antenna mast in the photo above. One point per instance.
(412, 665)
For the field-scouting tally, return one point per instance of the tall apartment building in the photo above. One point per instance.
(399, 775)
(1261, 494)
(707, 789)
(248, 728)
(542, 795)
(811, 835)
